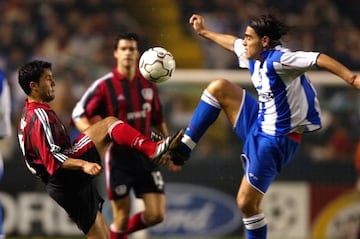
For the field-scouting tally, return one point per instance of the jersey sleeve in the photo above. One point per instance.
(90, 102)
(300, 60)
(295, 64)
(43, 140)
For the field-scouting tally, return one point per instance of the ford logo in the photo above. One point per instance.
(198, 211)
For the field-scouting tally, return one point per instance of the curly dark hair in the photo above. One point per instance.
(31, 71)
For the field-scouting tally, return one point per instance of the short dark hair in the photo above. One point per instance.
(126, 36)
(268, 25)
(31, 71)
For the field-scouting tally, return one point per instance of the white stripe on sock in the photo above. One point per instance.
(254, 222)
(211, 100)
(188, 141)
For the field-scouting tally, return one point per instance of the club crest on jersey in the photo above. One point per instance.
(266, 96)
(147, 93)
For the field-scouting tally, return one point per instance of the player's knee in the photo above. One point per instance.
(247, 206)
(154, 219)
(217, 84)
(110, 120)
(219, 87)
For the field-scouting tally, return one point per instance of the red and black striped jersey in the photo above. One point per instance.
(135, 101)
(43, 139)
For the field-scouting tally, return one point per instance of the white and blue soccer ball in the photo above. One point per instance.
(157, 64)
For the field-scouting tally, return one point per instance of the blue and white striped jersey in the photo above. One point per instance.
(5, 107)
(287, 99)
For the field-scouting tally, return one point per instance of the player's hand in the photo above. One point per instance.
(163, 159)
(172, 167)
(92, 169)
(197, 22)
(356, 82)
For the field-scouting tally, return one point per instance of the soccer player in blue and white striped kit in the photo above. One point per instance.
(270, 127)
(5, 131)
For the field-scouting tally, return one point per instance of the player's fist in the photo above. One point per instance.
(197, 23)
(356, 82)
(92, 169)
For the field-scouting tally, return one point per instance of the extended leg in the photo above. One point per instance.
(112, 129)
(219, 95)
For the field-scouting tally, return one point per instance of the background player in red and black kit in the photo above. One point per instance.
(126, 94)
(65, 168)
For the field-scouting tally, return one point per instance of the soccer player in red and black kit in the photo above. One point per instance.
(126, 94)
(65, 168)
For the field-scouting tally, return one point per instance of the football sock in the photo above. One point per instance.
(204, 116)
(255, 226)
(136, 223)
(115, 234)
(124, 134)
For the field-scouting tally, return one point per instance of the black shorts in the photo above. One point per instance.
(81, 205)
(128, 169)
(74, 190)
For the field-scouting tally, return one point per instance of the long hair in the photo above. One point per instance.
(268, 25)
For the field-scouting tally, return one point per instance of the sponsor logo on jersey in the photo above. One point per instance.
(120, 97)
(266, 96)
(147, 93)
(146, 107)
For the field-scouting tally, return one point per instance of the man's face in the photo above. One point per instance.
(254, 45)
(127, 53)
(45, 89)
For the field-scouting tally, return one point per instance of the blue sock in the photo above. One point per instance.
(204, 115)
(259, 233)
(255, 226)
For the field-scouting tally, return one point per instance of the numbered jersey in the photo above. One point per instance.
(134, 101)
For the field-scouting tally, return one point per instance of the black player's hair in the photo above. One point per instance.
(31, 71)
(268, 25)
(126, 36)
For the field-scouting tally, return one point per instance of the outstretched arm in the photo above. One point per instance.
(330, 64)
(79, 164)
(224, 40)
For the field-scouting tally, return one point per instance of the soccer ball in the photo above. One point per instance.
(157, 64)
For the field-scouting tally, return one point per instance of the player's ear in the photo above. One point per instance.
(265, 40)
(33, 84)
